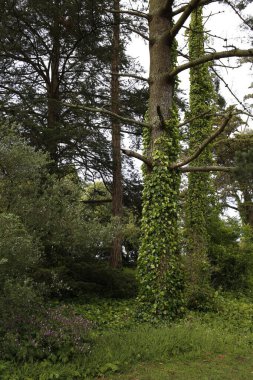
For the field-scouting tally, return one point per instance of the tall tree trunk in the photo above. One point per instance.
(159, 269)
(53, 95)
(200, 194)
(117, 187)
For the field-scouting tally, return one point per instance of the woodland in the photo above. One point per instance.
(107, 270)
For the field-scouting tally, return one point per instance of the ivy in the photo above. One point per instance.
(200, 194)
(159, 265)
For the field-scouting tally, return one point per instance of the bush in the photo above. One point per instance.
(18, 251)
(56, 334)
(96, 279)
(231, 256)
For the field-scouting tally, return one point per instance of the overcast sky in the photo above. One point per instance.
(227, 25)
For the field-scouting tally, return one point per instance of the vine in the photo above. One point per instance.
(160, 273)
(202, 99)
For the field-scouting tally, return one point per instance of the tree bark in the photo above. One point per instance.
(53, 95)
(115, 259)
(159, 269)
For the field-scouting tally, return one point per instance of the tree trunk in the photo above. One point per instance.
(200, 193)
(159, 269)
(53, 94)
(117, 187)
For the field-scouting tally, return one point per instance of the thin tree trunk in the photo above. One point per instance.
(117, 187)
(53, 94)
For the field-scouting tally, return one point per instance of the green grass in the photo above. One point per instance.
(202, 346)
(207, 367)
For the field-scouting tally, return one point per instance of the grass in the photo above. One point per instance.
(207, 367)
(202, 346)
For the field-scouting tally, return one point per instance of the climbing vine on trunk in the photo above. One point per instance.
(200, 195)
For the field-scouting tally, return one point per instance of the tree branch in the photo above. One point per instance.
(96, 201)
(108, 113)
(204, 144)
(131, 153)
(210, 57)
(201, 3)
(138, 77)
(186, 13)
(131, 12)
(139, 33)
(204, 169)
(187, 121)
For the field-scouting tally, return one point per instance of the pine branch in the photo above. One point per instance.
(204, 144)
(208, 58)
(131, 153)
(108, 113)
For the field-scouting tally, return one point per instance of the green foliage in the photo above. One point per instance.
(199, 197)
(18, 250)
(231, 256)
(115, 348)
(97, 279)
(33, 332)
(159, 268)
(49, 207)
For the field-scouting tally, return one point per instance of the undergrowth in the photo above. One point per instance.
(118, 342)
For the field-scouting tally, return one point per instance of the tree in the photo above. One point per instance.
(117, 184)
(199, 197)
(160, 272)
(49, 53)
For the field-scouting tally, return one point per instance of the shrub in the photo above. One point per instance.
(87, 279)
(18, 250)
(56, 334)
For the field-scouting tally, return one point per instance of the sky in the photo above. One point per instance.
(225, 24)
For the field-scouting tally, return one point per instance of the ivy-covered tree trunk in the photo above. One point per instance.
(160, 273)
(199, 186)
(117, 187)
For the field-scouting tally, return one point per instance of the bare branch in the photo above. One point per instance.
(131, 153)
(106, 112)
(230, 206)
(238, 14)
(96, 201)
(138, 77)
(204, 144)
(210, 57)
(201, 3)
(139, 33)
(229, 89)
(187, 121)
(131, 12)
(204, 169)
